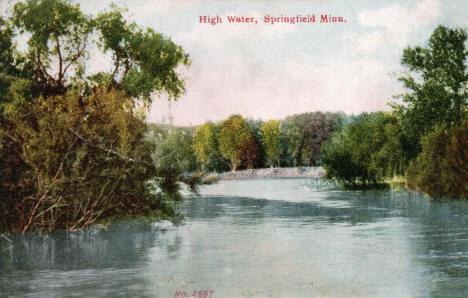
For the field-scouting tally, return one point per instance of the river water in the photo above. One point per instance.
(257, 238)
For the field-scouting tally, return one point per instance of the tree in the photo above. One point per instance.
(68, 163)
(306, 132)
(133, 50)
(205, 146)
(257, 157)
(236, 141)
(437, 82)
(174, 160)
(144, 61)
(14, 86)
(441, 169)
(366, 151)
(58, 36)
(271, 139)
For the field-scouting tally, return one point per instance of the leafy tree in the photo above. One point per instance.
(306, 132)
(257, 157)
(72, 161)
(236, 142)
(133, 50)
(271, 139)
(58, 38)
(144, 61)
(437, 82)
(366, 151)
(15, 89)
(174, 159)
(441, 169)
(205, 146)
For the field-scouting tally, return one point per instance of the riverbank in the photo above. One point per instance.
(302, 172)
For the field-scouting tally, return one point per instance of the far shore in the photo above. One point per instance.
(301, 172)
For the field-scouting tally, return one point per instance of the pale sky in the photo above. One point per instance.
(269, 71)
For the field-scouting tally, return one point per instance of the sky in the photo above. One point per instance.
(270, 71)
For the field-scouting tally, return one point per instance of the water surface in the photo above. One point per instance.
(257, 238)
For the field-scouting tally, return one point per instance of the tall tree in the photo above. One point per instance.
(236, 141)
(134, 50)
(437, 82)
(205, 146)
(306, 132)
(271, 139)
(366, 151)
(58, 39)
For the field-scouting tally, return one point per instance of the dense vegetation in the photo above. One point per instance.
(424, 137)
(74, 146)
(366, 151)
(238, 143)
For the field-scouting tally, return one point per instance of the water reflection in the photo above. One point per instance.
(258, 238)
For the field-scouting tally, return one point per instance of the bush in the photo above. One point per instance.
(69, 161)
(441, 169)
(367, 151)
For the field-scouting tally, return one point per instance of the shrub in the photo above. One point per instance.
(69, 161)
(441, 169)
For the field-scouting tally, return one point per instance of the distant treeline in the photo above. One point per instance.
(239, 143)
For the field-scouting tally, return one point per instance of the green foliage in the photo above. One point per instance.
(305, 134)
(134, 50)
(71, 161)
(174, 160)
(73, 150)
(7, 48)
(144, 61)
(438, 83)
(271, 140)
(441, 169)
(258, 158)
(15, 90)
(366, 151)
(205, 146)
(237, 143)
(58, 34)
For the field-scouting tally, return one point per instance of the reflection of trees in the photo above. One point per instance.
(118, 246)
(444, 246)
(338, 206)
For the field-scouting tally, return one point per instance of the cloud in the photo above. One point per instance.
(394, 25)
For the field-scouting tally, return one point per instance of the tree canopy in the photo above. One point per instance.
(437, 81)
(237, 141)
(271, 133)
(61, 38)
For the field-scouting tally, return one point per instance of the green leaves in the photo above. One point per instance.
(366, 151)
(59, 35)
(437, 83)
(144, 61)
(271, 132)
(442, 167)
(236, 142)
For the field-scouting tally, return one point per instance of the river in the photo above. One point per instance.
(256, 238)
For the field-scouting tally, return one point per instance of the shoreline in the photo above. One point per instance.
(265, 173)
